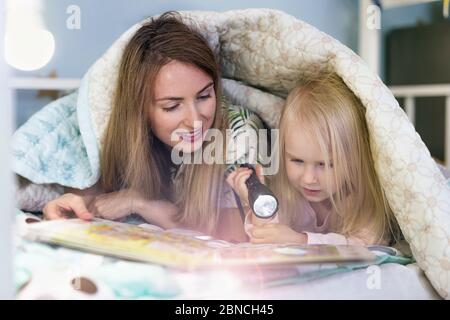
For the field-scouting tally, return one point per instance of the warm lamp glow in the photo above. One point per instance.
(28, 45)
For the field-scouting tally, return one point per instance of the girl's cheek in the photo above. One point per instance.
(294, 177)
(331, 184)
(324, 181)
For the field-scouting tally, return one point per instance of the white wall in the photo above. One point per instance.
(6, 185)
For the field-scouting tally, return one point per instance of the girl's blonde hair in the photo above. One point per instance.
(132, 157)
(326, 109)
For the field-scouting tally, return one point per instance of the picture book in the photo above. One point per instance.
(182, 249)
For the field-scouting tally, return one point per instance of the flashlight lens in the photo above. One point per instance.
(265, 206)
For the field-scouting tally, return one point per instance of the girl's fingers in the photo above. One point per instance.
(230, 178)
(259, 173)
(234, 177)
(258, 232)
(240, 180)
(242, 176)
(264, 231)
(259, 240)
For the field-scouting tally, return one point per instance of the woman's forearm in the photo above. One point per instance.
(88, 194)
(160, 212)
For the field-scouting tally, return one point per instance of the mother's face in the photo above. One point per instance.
(183, 106)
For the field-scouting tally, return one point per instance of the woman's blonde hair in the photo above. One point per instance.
(326, 109)
(132, 157)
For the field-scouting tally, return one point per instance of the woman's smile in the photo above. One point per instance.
(192, 136)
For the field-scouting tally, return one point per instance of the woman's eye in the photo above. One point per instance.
(207, 96)
(168, 109)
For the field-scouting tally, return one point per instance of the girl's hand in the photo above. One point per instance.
(276, 233)
(116, 205)
(66, 205)
(237, 179)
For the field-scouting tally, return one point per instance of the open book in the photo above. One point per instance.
(182, 249)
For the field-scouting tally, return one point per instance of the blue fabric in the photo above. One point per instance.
(49, 147)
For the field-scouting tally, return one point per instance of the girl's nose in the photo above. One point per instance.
(309, 175)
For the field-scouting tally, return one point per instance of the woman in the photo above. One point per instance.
(167, 97)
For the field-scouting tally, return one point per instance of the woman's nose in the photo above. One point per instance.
(192, 117)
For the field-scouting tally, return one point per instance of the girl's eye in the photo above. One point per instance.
(207, 96)
(322, 165)
(171, 108)
(300, 161)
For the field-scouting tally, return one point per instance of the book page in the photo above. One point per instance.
(183, 249)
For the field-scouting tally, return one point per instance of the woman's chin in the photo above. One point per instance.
(187, 147)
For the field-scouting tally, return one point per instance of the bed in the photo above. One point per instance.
(52, 272)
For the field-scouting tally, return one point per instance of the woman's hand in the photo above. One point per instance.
(276, 233)
(160, 212)
(120, 204)
(66, 205)
(116, 205)
(237, 179)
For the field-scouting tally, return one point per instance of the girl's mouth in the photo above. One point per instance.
(310, 192)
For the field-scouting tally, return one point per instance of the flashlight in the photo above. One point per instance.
(260, 197)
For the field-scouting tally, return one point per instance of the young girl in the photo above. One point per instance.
(327, 186)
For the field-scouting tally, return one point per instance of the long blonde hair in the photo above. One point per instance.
(132, 157)
(330, 112)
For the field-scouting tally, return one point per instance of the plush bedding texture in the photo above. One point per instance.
(263, 54)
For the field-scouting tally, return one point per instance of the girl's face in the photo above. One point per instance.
(305, 165)
(183, 106)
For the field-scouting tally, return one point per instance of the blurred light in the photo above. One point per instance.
(224, 282)
(211, 284)
(28, 45)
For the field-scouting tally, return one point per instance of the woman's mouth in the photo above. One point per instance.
(192, 136)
